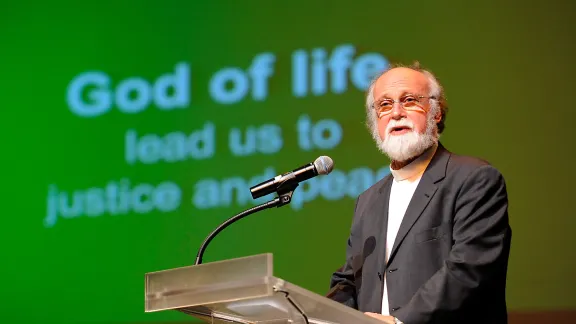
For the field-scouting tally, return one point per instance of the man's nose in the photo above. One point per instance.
(398, 111)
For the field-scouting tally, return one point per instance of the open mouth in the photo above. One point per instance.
(399, 130)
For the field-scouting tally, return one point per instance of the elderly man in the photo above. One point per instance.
(430, 242)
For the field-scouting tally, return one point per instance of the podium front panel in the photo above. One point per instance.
(243, 290)
(209, 283)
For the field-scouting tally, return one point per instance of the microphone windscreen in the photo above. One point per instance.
(324, 164)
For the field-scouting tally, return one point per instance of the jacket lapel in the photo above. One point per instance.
(378, 228)
(381, 210)
(426, 189)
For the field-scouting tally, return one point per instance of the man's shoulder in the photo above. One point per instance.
(465, 163)
(376, 188)
(463, 166)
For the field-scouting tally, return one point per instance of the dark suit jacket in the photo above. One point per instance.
(449, 261)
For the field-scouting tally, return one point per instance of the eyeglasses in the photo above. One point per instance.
(408, 102)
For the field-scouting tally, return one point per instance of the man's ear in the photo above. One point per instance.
(438, 117)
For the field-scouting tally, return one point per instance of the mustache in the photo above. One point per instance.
(399, 123)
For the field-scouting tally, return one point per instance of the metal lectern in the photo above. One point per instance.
(242, 290)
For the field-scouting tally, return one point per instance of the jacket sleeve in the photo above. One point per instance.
(343, 284)
(481, 244)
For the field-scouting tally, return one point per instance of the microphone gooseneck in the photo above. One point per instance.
(272, 203)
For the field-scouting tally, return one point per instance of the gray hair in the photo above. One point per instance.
(436, 90)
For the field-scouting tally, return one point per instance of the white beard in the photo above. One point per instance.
(411, 144)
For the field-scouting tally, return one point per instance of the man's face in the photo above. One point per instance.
(405, 132)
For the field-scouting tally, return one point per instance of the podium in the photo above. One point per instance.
(242, 290)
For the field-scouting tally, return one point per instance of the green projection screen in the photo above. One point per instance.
(132, 129)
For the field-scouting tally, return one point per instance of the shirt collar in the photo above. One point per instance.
(416, 168)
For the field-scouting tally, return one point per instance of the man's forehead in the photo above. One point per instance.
(401, 78)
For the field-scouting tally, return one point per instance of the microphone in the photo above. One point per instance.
(322, 165)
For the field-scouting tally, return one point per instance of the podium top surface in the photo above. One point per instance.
(242, 290)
